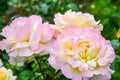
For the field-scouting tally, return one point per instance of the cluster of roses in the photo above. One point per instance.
(74, 43)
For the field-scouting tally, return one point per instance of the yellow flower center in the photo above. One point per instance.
(2, 75)
(83, 50)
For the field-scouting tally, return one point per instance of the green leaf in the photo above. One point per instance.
(44, 8)
(115, 44)
(25, 75)
(48, 69)
(105, 21)
(35, 66)
(38, 76)
(47, 1)
(116, 67)
(73, 6)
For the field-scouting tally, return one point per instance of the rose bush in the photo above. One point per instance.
(74, 45)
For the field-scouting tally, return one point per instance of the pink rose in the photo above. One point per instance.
(26, 36)
(76, 19)
(6, 74)
(82, 54)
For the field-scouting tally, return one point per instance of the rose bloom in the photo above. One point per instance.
(76, 19)
(118, 34)
(6, 74)
(82, 54)
(26, 36)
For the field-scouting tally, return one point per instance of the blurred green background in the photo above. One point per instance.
(107, 11)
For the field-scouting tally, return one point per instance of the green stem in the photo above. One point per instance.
(39, 63)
